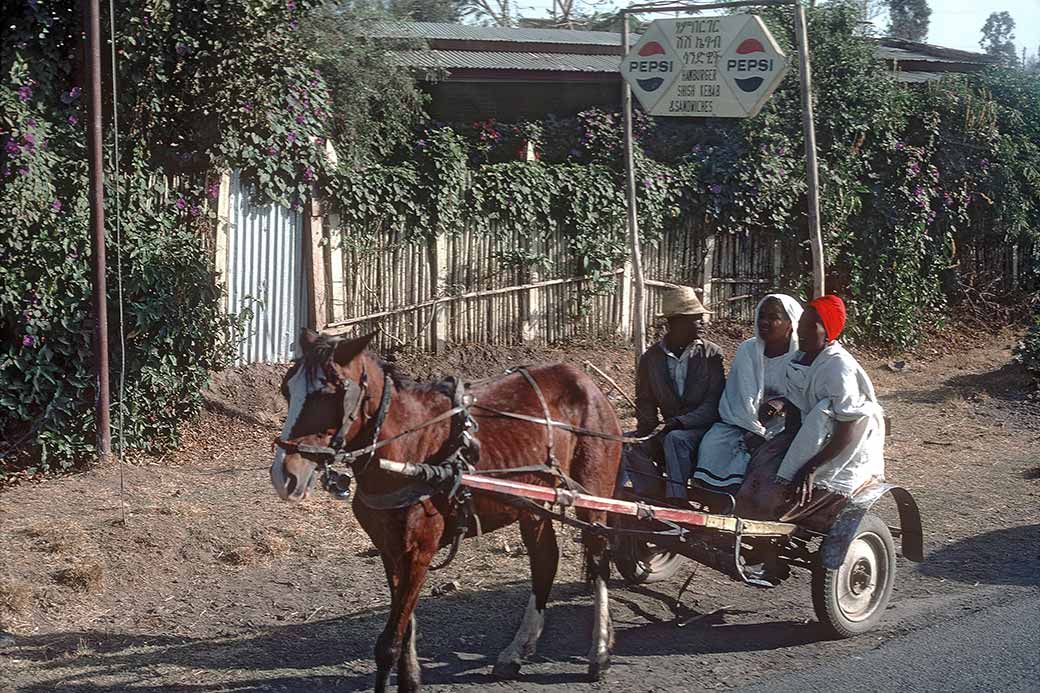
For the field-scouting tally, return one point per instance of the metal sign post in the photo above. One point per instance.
(725, 66)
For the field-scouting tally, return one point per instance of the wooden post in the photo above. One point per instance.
(707, 269)
(812, 174)
(438, 254)
(314, 265)
(534, 322)
(220, 252)
(338, 292)
(639, 304)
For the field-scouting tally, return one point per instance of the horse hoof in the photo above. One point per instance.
(598, 668)
(506, 670)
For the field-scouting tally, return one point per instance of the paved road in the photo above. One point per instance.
(995, 649)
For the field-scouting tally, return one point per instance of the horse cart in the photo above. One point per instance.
(852, 560)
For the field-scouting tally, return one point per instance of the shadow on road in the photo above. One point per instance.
(459, 637)
(1002, 557)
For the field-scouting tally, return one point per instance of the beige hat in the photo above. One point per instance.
(682, 300)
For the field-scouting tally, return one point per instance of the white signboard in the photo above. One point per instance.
(721, 67)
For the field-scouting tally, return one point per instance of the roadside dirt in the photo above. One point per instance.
(212, 584)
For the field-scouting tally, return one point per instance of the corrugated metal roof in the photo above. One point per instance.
(467, 32)
(901, 49)
(485, 60)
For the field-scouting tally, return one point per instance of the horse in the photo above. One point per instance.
(335, 374)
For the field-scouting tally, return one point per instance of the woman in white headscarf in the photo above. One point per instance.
(755, 380)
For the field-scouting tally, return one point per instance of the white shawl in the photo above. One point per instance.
(746, 382)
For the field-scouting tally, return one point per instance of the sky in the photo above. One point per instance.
(954, 23)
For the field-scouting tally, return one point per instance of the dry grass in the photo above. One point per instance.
(239, 555)
(87, 575)
(60, 537)
(272, 545)
(15, 600)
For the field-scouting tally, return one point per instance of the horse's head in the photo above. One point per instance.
(326, 391)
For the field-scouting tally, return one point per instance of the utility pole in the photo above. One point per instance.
(95, 137)
(812, 172)
(639, 305)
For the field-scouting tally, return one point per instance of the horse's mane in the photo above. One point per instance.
(324, 349)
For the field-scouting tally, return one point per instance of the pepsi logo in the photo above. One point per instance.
(652, 67)
(745, 68)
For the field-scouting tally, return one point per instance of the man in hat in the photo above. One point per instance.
(681, 379)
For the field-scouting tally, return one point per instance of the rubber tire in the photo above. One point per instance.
(656, 564)
(825, 587)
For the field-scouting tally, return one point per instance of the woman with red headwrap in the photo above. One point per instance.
(835, 444)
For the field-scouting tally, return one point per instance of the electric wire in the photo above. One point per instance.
(119, 261)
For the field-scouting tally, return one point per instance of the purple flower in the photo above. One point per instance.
(900, 146)
(71, 95)
(947, 199)
(715, 188)
(12, 148)
(23, 171)
(293, 24)
(56, 205)
(299, 119)
(984, 164)
(29, 141)
(24, 93)
(308, 174)
(290, 5)
(73, 120)
(292, 137)
(213, 190)
(248, 107)
(196, 210)
(915, 168)
(272, 151)
(29, 340)
(180, 203)
(182, 49)
(5, 171)
(31, 122)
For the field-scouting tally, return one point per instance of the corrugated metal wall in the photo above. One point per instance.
(264, 275)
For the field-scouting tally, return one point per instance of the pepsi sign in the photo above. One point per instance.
(723, 67)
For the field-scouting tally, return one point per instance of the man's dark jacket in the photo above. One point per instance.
(697, 407)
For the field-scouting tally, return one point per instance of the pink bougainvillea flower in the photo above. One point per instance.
(56, 205)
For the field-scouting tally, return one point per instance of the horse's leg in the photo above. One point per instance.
(408, 663)
(602, 625)
(397, 641)
(540, 539)
(384, 649)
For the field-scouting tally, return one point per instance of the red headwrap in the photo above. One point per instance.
(831, 310)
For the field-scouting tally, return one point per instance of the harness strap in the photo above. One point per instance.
(565, 426)
(522, 370)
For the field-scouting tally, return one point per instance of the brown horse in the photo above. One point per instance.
(408, 537)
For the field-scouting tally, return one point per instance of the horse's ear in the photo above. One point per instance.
(348, 350)
(308, 337)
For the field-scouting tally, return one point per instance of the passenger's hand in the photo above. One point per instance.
(804, 486)
(669, 426)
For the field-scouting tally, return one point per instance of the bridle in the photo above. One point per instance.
(353, 396)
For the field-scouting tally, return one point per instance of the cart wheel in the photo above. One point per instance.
(851, 599)
(640, 562)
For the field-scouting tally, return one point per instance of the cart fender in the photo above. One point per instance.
(845, 526)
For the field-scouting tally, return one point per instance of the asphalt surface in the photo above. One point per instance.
(995, 649)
